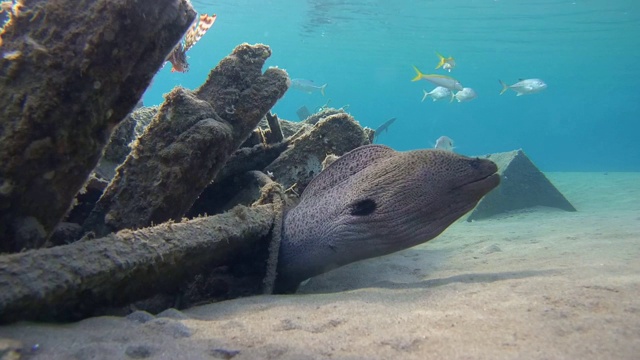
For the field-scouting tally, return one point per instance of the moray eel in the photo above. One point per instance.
(374, 201)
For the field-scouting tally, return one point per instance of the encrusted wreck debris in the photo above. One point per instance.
(214, 152)
(333, 134)
(63, 88)
(188, 142)
(196, 139)
(236, 183)
(77, 280)
(173, 264)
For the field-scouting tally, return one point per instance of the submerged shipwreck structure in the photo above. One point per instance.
(106, 208)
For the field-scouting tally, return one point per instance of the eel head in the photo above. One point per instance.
(375, 201)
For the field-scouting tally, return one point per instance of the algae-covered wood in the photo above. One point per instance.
(70, 71)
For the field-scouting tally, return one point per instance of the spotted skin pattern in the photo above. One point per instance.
(374, 201)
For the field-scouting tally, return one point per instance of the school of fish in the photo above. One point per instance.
(447, 87)
(450, 88)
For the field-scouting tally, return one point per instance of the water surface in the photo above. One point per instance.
(586, 51)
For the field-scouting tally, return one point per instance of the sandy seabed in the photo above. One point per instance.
(534, 284)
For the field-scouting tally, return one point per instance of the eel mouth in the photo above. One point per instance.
(485, 182)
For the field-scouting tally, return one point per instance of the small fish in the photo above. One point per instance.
(303, 112)
(466, 94)
(446, 63)
(444, 143)
(383, 127)
(524, 86)
(178, 57)
(307, 86)
(440, 80)
(437, 94)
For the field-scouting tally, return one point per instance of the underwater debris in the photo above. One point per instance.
(178, 57)
(274, 134)
(126, 132)
(77, 280)
(53, 134)
(232, 185)
(323, 112)
(11, 349)
(188, 142)
(6, 6)
(35, 45)
(334, 134)
(12, 55)
(13, 8)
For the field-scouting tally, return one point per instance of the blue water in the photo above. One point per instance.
(588, 52)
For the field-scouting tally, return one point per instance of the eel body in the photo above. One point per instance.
(374, 201)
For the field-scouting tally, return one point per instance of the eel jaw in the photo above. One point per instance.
(483, 185)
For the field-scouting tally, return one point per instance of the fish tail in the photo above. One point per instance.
(505, 87)
(442, 61)
(419, 74)
(426, 94)
(322, 89)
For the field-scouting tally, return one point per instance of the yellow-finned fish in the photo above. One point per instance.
(446, 63)
(440, 80)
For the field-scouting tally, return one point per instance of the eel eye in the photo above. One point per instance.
(475, 163)
(362, 207)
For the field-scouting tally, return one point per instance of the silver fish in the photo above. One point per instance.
(307, 86)
(444, 143)
(524, 86)
(438, 93)
(383, 127)
(466, 94)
